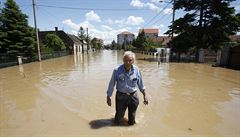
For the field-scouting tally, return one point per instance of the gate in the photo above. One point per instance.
(234, 58)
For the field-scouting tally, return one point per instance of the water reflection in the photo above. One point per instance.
(67, 96)
(100, 123)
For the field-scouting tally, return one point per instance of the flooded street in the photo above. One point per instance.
(67, 97)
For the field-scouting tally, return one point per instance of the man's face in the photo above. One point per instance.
(128, 61)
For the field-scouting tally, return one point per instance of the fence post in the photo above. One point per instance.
(218, 62)
(19, 60)
(201, 56)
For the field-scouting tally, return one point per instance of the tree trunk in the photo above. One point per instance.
(197, 55)
(178, 56)
(82, 49)
(200, 43)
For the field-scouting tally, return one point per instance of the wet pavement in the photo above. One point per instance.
(67, 97)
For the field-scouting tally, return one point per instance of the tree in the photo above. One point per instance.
(88, 40)
(52, 41)
(182, 43)
(138, 43)
(17, 38)
(129, 47)
(100, 43)
(1, 30)
(114, 45)
(149, 45)
(94, 43)
(82, 36)
(207, 23)
(186, 38)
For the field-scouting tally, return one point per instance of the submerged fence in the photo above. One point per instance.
(7, 60)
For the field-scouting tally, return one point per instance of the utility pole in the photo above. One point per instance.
(173, 18)
(36, 29)
(87, 42)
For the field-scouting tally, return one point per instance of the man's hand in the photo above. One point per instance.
(145, 102)
(109, 101)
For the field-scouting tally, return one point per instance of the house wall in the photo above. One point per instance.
(122, 37)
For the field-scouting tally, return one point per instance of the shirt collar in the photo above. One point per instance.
(130, 71)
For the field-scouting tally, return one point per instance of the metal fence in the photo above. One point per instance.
(7, 60)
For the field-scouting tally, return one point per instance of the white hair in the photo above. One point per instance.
(129, 54)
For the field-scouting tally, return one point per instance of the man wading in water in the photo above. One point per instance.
(127, 78)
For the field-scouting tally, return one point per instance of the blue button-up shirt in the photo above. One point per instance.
(127, 81)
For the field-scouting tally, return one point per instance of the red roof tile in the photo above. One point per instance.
(149, 30)
(162, 39)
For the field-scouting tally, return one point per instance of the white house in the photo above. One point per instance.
(125, 37)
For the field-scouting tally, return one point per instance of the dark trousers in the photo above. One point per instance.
(124, 101)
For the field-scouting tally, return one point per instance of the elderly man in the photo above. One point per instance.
(127, 78)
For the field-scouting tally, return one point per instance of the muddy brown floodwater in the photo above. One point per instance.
(67, 97)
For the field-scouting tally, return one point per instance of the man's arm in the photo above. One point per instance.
(111, 88)
(142, 88)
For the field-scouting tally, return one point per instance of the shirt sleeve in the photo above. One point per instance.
(111, 84)
(140, 82)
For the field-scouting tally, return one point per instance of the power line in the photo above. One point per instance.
(78, 8)
(156, 15)
(165, 15)
(26, 5)
(47, 13)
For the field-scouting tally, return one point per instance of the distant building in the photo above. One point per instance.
(150, 33)
(163, 40)
(77, 46)
(72, 42)
(125, 37)
(234, 37)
